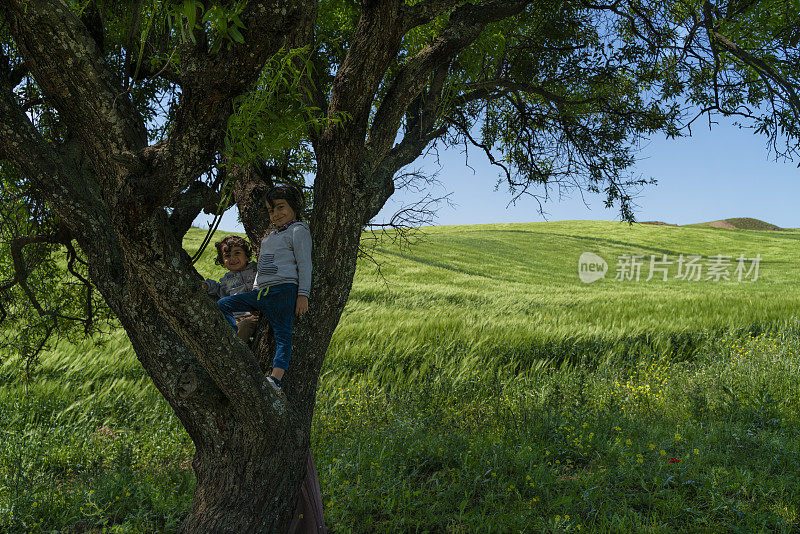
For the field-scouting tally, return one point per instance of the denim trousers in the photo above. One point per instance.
(277, 304)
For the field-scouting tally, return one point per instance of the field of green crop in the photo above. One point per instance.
(475, 384)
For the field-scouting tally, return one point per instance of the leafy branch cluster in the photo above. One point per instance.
(274, 119)
(46, 294)
(222, 22)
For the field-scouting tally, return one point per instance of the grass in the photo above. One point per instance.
(660, 446)
(90, 443)
(478, 386)
(477, 300)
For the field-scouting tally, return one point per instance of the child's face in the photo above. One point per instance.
(280, 212)
(234, 259)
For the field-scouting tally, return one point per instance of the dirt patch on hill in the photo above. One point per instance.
(740, 223)
(722, 224)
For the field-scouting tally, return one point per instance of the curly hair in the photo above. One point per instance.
(230, 242)
(291, 195)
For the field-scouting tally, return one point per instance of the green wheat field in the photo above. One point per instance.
(475, 384)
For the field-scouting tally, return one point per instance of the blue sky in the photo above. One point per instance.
(717, 174)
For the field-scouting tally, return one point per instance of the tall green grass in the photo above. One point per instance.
(472, 301)
(474, 385)
(663, 445)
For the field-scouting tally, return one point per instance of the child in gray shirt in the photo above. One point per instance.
(233, 253)
(283, 282)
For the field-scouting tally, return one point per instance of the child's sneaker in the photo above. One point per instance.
(275, 383)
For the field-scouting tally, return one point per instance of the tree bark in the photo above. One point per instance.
(248, 477)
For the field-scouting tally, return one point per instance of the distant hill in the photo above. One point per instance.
(658, 223)
(739, 223)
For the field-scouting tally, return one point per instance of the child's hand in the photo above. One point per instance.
(205, 286)
(302, 305)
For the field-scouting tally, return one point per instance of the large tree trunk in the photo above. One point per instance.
(248, 476)
(246, 487)
(251, 444)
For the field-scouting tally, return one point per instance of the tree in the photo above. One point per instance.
(555, 93)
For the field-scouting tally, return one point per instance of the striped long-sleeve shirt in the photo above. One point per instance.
(285, 257)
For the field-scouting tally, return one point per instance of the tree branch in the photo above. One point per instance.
(33, 155)
(426, 11)
(80, 86)
(12, 77)
(419, 127)
(21, 271)
(507, 86)
(757, 64)
(92, 18)
(615, 8)
(199, 197)
(209, 83)
(419, 133)
(126, 64)
(374, 45)
(466, 24)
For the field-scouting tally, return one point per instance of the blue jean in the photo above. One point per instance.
(277, 304)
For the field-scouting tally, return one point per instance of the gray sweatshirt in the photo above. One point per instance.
(285, 258)
(234, 283)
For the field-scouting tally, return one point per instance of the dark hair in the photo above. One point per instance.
(291, 195)
(230, 242)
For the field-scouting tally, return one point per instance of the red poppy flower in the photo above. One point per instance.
(674, 460)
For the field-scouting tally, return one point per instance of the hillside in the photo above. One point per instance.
(739, 223)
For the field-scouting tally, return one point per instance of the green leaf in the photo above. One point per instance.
(210, 15)
(234, 33)
(190, 10)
